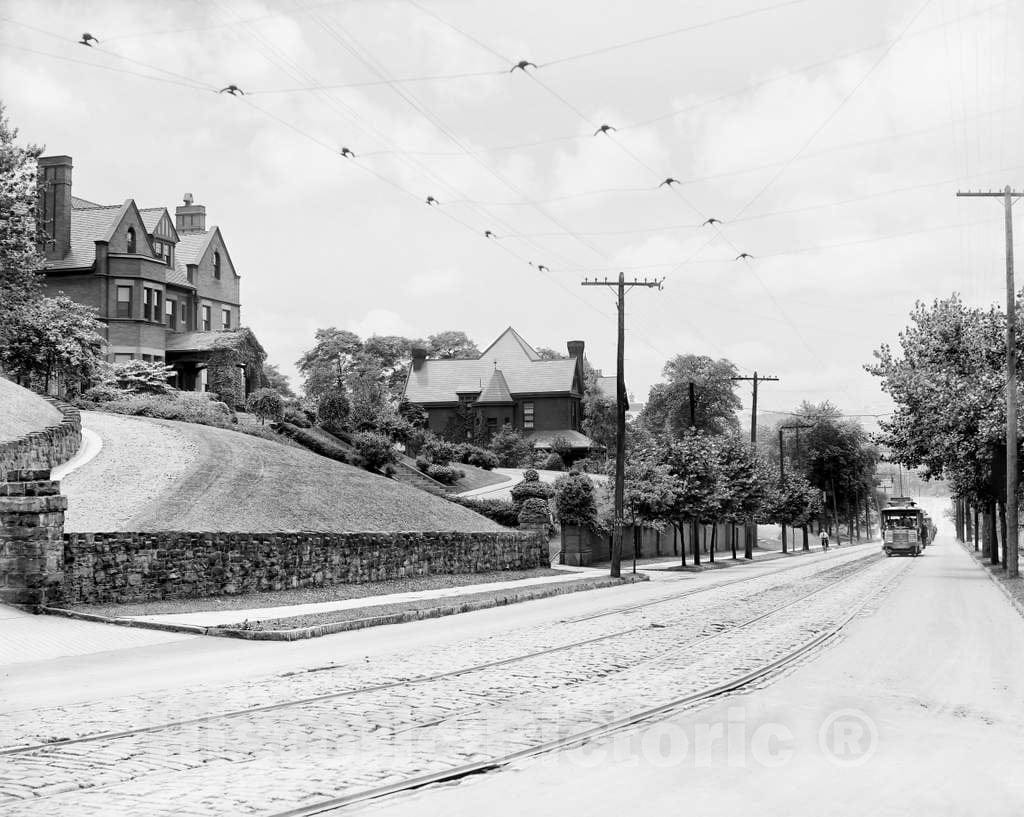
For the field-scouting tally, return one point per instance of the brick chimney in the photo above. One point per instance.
(55, 205)
(189, 217)
(575, 348)
(419, 356)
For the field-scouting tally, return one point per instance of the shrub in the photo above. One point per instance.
(445, 474)
(534, 511)
(530, 475)
(422, 463)
(575, 501)
(332, 410)
(189, 407)
(531, 489)
(482, 458)
(323, 447)
(560, 445)
(141, 377)
(265, 404)
(438, 451)
(511, 449)
(296, 418)
(592, 465)
(497, 510)
(104, 393)
(375, 449)
(554, 462)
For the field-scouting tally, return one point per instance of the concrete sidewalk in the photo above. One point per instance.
(25, 637)
(219, 618)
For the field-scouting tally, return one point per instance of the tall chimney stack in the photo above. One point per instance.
(575, 348)
(55, 205)
(189, 217)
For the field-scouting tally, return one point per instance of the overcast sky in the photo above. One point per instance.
(828, 136)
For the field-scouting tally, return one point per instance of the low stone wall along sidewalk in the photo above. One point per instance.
(121, 567)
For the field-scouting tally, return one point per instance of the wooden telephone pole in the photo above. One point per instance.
(623, 286)
(782, 473)
(751, 532)
(1011, 547)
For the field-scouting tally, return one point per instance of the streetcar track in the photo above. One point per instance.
(870, 559)
(655, 713)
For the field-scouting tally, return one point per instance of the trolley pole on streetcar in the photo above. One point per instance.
(750, 535)
(623, 286)
(1008, 194)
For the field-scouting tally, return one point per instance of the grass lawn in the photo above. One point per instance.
(23, 411)
(477, 478)
(312, 595)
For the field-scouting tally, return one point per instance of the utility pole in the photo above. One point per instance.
(1010, 546)
(782, 472)
(750, 536)
(623, 286)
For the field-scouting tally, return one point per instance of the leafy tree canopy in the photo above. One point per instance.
(715, 405)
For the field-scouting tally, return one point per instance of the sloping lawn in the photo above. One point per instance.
(477, 478)
(228, 481)
(23, 411)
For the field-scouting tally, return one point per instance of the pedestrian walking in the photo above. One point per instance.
(824, 539)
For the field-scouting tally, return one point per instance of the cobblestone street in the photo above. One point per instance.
(268, 744)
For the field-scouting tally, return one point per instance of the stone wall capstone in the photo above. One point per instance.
(128, 567)
(44, 449)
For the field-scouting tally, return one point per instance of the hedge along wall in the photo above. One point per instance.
(123, 567)
(45, 449)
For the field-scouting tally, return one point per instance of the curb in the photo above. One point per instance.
(401, 617)
(1014, 602)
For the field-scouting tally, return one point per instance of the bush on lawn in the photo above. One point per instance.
(482, 458)
(189, 407)
(375, 449)
(332, 410)
(497, 510)
(534, 512)
(141, 377)
(445, 474)
(325, 448)
(575, 500)
(554, 462)
(266, 404)
(511, 449)
(296, 418)
(438, 451)
(104, 393)
(531, 489)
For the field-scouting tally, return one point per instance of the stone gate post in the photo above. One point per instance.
(31, 538)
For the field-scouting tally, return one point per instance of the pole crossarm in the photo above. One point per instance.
(622, 286)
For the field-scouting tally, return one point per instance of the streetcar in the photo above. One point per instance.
(902, 523)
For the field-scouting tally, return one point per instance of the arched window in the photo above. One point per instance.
(216, 265)
(131, 239)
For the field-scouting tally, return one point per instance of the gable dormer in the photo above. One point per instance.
(162, 235)
(128, 233)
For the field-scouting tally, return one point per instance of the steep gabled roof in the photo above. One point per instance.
(496, 392)
(506, 339)
(79, 203)
(441, 381)
(151, 218)
(88, 225)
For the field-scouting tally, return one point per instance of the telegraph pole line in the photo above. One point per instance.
(751, 533)
(623, 286)
(782, 472)
(1008, 194)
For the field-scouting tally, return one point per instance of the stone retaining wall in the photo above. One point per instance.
(123, 567)
(44, 449)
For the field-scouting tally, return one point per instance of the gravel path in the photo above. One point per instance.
(140, 461)
(22, 411)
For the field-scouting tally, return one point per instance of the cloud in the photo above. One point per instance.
(382, 322)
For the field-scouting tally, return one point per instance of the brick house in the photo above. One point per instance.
(165, 288)
(508, 385)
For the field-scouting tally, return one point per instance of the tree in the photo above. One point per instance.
(323, 367)
(511, 449)
(451, 344)
(53, 341)
(547, 353)
(575, 501)
(141, 377)
(715, 405)
(693, 462)
(332, 410)
(267, 404)
(20, 262)
(277, 381)
(599, 412)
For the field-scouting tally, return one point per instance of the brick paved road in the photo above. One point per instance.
(357, 726)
